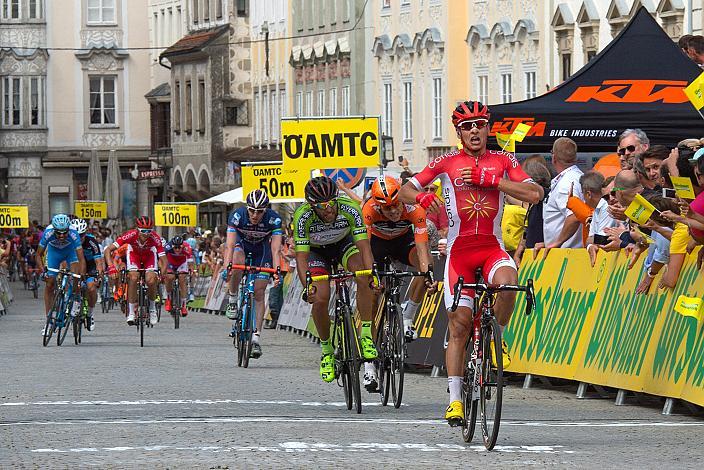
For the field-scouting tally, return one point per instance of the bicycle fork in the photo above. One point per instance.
(475, 361)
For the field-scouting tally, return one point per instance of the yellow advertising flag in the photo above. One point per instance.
(683, 187)
(506, 142)
(695, 92)
(520, 132)
(689, 306)
(640, 210)
(645, 236)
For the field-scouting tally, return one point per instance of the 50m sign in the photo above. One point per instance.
(281, 184)
(14, 216)
(349, 142)
(175, 215)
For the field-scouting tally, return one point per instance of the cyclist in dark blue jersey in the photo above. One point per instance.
(94, 266)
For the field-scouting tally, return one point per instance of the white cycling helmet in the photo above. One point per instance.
(79, 225)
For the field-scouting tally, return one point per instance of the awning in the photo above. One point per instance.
(232, 196)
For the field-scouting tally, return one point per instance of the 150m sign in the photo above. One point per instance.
(350, 142)
(281, 184)
(12, 216)
(91, 209)
(175, 215)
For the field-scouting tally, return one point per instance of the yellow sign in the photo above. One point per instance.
(12, 216)
(506, 142)
(640, 210)
(689, 306)
(310, 144)
(281, 184)
(520, 132)
(683, 187)
(176, 215)
(695, 92)
(91, 209)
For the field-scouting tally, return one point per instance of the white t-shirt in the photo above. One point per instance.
(555, 210)
(601, 219)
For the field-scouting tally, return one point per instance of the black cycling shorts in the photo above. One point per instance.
(324, 259)
(398, 249)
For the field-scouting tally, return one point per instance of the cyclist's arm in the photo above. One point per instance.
(525, 191)
(39, 256)
(162, 263)
(302, 265)
(81, 261)
(107, 254)
(276, 249)
(230, 245)
(365, 249)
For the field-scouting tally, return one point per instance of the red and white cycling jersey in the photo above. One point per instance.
(179, 261)
(141, 254)
(472, 211)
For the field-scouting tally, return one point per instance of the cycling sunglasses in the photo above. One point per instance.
(145, 230)
(325, 205)
(474, 124)
(256, 211)
(629, 148)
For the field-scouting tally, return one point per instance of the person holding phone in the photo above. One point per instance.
(597, 197)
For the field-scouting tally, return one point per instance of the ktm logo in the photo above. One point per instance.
(508, 125)
(632, 91)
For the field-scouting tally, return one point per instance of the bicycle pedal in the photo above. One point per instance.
(455, 422)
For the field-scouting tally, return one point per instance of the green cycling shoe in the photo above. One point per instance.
(327, 367)
(368, 348)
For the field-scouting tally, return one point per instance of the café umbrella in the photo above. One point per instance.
(113, 188)
(95, 178)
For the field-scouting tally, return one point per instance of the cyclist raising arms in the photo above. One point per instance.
(473, 180)
(144, 251)
(326, 228)
(179, 258)
(61, 244)
(256, 231)
(94, 266)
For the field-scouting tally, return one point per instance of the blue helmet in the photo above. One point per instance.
(61, 222)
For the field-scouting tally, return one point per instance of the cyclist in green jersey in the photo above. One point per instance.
(330, 228)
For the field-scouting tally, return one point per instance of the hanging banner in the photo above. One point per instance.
(14, 216)
(349, 142)
(175, 215)
(280, 183)
(91, 209)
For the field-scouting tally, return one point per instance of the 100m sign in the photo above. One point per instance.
(175, 215)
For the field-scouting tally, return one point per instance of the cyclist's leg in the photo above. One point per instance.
(261, 256)
(352, 260)
(168, 285)
(501, 269)
(238, 257)
(132, 279)
(182, 273)
(319, 264)
(53, 261)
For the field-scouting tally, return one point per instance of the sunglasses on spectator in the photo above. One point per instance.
(629, 148)
(256, 211)
(145, 230)
(325, 205)
(475, 124)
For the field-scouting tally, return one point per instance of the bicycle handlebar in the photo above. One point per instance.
(377, 273)
(65, 272)
(342, 275)
(494, 288)
(253, 269)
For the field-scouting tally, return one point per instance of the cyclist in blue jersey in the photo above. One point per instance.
(94, 266)
(253, 230)
(61, 244)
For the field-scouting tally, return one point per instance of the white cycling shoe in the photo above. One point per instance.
(130, 319)
(371, 382)
(153, 319)
(408, 331)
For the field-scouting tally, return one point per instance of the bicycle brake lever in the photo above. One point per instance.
(458, 293)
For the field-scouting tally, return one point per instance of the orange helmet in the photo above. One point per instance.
(385, 190)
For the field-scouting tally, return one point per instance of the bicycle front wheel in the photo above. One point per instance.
(77, 326)
(469, 396)
(492, 383)
(176, 304)
(141, 324)
(398, 357)
(247, 330)
(352, 359)
(384, 361)
(49, 328)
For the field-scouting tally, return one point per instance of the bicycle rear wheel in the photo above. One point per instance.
(398, 356)
(247, 330)
(384, 361)
(49, 328)
(352, 359)
(141, 324)
(492, 383)
(469, 398)
(77, 322)
(176, 303)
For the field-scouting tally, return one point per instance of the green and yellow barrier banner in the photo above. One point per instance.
(590, 325)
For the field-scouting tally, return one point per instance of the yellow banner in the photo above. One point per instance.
(695, 92)
(639, 210)
(689, 306)
(683, 187)
(506, 142)
(12, 216)
(520, 132)
(176, 215)
(310, 144)
(91, 209)
(281, 184)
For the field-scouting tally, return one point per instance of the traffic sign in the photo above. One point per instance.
(14, 216)
(281, 184)
(352, 177)
(176, 215)
(91, 209)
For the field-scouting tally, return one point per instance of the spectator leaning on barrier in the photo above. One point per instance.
(596, 196)
(631, 143)
(536, 167)
(561, 227)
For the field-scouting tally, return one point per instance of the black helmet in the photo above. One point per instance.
(257, 199)
(176, 241)
(320, 189)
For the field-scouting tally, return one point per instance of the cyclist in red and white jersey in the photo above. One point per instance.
(144, 251)
(474, 181)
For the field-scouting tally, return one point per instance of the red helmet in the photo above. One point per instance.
(469, 110)
(385, 190)
(144, 222)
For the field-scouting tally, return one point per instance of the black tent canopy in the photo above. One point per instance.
(637, 81)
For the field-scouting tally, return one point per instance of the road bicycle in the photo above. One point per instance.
(391, 340)
(32, 281)
(81, 319)
(344, 341)
(176, 299)
(142, 315)
(245, 319)
(59, 316)
(107, 301)
(483, 380)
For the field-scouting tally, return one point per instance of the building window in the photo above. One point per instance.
(266, 116)
(407, 111)
(483, 88)
(237, 115)
(275, 116)
(530, 85)
(346, 100)
(321, 102)
(299, 103)
(386, 4)
(257, 120)
(242, 8)
(333, 101)
(388, 109)
(590, 55)
(102, 101)
(218, 9)
(201, 106)
(566, 66)
(101, 11)
(206, 10)
(195, 11)
(189, 107)
(10, 9)
(283, 103)
(35, 9)
(11, 101)
(347, 10)
(437, 108)
(309, 103)
(36, 101)
(177, 106)
(506, 88)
